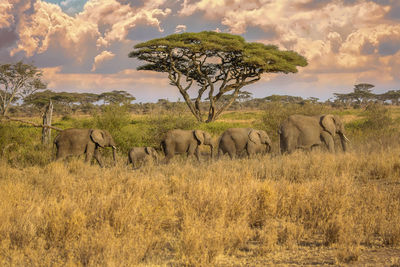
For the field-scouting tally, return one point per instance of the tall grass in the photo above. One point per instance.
(193, 213)
(222, 212)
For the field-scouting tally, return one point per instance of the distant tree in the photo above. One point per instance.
(284, 98)
(345, 99)
(39, 99)
(393, 96)
(363, 93)
(64, 102)
(18, 80)
(312, 99)
(117, 97)
(244, 96)
(216, 63)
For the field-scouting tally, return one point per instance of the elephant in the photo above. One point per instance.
(139, 154)
(185, 141)
(236, 140)
(83, 141)
(306, 132)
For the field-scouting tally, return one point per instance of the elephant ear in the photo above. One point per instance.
(199, 136)
(254, 136)
(328, 122)
(98, 137)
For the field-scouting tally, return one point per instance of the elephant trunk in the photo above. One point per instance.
(212, 151)
(269, 148)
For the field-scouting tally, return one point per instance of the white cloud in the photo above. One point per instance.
(180, 28)
(101, 21)
(103, 56)
(331, 36)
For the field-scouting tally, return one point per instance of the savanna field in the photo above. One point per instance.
(306, 208)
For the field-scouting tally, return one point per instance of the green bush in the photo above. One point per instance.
(112, 118)
(378, 117)
(20, 145)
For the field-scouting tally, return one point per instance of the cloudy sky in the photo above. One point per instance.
(83, 45)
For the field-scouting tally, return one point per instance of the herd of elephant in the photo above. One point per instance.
(296, 132)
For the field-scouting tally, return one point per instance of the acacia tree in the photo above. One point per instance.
(117, 97)
(216, 64)
(18, 81)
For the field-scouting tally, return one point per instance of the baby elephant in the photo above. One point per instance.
(139, 154)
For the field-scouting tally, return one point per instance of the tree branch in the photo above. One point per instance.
(31, 123)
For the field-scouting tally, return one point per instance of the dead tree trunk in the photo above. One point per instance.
(46, 131)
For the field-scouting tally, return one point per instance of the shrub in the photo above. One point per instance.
(112, 118)
(378, 117)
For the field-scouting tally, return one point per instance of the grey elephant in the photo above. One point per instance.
(139, 154)
(83, 141)
(185, 141)
(306, 132)
(235, 141)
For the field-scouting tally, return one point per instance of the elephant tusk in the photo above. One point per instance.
(114, 147)
(347, 139)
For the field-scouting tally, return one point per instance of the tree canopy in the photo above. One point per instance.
(216, 63)
(18, 81)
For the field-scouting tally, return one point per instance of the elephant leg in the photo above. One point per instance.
(193, 150)
(248, 152)
(328, 140)
(197, 153)
(98, 157)
(89, 152)
(60, 155)
(251, 150)
(133, 161)
(220, 153)
(168, 156)
(232, 153)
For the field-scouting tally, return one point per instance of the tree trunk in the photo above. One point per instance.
(46, 131)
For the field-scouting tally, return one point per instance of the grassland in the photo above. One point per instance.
(307, 208)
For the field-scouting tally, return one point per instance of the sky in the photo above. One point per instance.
(83, 45)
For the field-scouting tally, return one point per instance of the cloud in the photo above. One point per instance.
(101, 22)
(180, 28)
(118, 18)
(6, 19)
(103, 56)
(335, 36)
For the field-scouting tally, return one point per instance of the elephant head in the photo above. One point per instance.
(333, 125)
(151, 152)
(204, 138)
(103, 139)
(259, 136)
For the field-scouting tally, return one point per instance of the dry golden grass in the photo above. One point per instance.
(304, 208)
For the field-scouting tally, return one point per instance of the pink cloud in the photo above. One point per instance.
(128, 78)
(50, 25)
(6, 19)
(330, 36)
